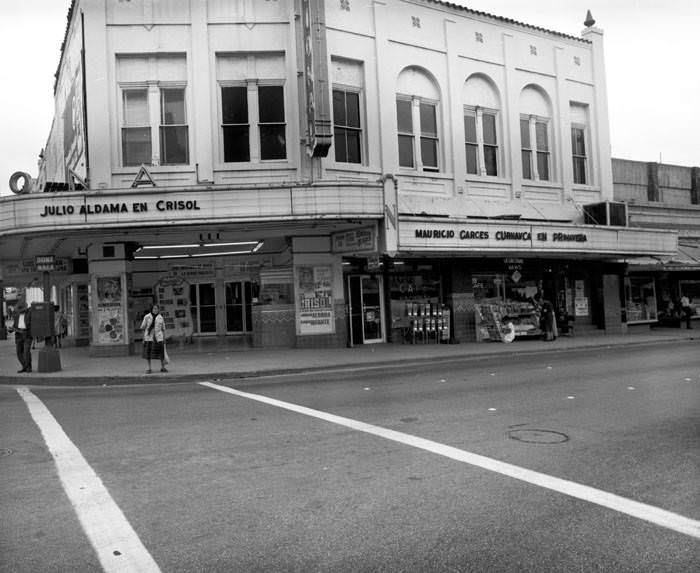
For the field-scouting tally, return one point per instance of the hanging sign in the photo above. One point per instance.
(44, 262)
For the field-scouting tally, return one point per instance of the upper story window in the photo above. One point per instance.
(417, 122)
(481, 127)
(535, 135)
(252, 111)
(154, 128)
(579, 143)
(348, 136)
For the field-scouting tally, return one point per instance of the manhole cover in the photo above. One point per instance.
(5, 452)
(535, 436)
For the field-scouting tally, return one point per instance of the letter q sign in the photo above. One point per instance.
(26, 185)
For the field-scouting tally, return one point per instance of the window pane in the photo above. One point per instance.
(580, 170)
(272, 142)
(271, 102)
(489, 123)
(428, 119)
(543, 166)
(353, 109)
(236, 143)
(405, 151)
(542, 137)
(525, 134)
(173, 107)
(527, 168)
(173, 145)
(472, 164)
(234, 105)
(340, 145)
(428, 152)
(470, 128)
(578, 141)
(353, 146)
(491, 160)
(404, 117)
(136, 145)
(136, 107)
(339, 116)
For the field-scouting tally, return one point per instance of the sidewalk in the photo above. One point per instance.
(227, 359)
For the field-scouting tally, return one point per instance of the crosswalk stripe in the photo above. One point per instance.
(655, 515)
(117, 545)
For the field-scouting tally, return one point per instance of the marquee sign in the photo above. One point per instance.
(427, 235)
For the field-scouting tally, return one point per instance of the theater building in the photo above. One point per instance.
(308, 173)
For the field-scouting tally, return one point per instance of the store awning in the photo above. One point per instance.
(686, 258)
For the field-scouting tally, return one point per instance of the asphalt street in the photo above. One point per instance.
(206, 480)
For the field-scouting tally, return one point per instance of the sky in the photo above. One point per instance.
(652, 48)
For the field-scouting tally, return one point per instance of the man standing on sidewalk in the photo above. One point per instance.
(687, 311)
(21, 323)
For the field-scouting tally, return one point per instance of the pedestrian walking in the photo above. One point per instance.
(687, 310)
(21, 325)
(548, 321)
(153, 327)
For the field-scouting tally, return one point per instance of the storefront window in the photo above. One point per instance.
(641, 299)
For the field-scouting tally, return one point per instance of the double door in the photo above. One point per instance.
(235, 299)
(366, 309)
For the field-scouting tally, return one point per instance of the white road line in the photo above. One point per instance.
(117, 545)
(630, 507)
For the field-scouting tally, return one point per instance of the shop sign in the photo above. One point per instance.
(67, 209)
(373, 264)
(200, 270)
(357, 240)
(425, 235)
(581, 306)
(314, 297)
(29, 266)
(44, 262)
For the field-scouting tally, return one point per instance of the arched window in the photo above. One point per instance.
(536, 134)
(417, 99)
(481, 126)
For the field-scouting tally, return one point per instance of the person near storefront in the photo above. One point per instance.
(21, 325)
(687, 310)
(153, 326)
(548, 321)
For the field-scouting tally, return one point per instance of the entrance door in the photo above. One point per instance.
(239, 311)
(366, 309)
(203, 307)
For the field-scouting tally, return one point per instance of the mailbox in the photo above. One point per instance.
(42, 320)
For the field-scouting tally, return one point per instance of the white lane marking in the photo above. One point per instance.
(117, 545)
(618, 503)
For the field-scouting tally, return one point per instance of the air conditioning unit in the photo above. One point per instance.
(611, 213)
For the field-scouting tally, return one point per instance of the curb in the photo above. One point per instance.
(173, 378)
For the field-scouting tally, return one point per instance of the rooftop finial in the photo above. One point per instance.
(589, 20)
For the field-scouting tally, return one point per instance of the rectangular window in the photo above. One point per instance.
(542, 134)
(578, 152)
(490, 144)
(526, 148)
(347, 133)
(273, 142)
(404, 118)
(136, 130)
(471, 143)
(428, 136)
(174, 139)
(234, 123)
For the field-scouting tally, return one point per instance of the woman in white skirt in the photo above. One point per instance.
(153, 327)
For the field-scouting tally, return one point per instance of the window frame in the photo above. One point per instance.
(124, 125)
(358, 130)
(586, 172)
(154, 102)
(419, 135)
(254, 123)
(162, 126)
(478, 113)
(534, 151)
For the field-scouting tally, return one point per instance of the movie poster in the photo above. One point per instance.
(314, 295)
(110, 312)
(173, 295)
